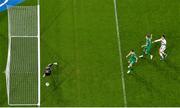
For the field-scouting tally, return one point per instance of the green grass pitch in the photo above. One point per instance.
(81, 36)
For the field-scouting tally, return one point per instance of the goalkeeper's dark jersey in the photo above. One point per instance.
(48, 70)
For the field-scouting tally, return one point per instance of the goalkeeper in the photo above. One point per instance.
(147, 47)
(48, 69)
(132, 60)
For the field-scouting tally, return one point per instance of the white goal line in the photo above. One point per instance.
(24, 36)
(24, 104)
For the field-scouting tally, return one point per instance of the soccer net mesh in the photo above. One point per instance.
(23, 64)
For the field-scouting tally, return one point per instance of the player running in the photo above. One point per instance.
(132, 60)
(162, 54)
(147, 47)
(48, 69)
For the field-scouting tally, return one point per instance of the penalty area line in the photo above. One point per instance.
(120, 53)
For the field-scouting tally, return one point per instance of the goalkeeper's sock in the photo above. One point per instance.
(44, 75)
(55, 63)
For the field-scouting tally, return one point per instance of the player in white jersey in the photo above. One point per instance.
(163, 41)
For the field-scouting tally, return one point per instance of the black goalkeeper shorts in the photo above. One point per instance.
(48, 72)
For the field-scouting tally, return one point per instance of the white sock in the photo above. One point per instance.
(161, 55)
(55, 63)
(141, 56)
(164, 54)
(129, 66)
(151, 56)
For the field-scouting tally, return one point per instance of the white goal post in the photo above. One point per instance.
(23, 61)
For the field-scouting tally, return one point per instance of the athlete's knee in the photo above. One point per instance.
(160, 51)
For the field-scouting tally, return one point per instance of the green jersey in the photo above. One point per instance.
(148, 42)
(133, 57)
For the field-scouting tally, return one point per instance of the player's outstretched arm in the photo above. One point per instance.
(142, 46)
(158, 40)
(151, 36)
(136, 59)
(128, 54)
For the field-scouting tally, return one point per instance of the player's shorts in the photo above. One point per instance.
(147, 50)
(132, 61)
(47, 72)
(162, 48)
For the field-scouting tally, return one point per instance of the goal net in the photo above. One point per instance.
(23, 63)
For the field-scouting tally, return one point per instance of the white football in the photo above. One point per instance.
(47, 84)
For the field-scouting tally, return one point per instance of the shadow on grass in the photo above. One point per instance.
(148, 85)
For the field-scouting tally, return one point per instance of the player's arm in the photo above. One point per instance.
(158, 40)
(136, 59)
(151, 36)
(128, 54)
(143, 46)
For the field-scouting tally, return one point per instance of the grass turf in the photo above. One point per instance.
(81, 36)
(155, 83)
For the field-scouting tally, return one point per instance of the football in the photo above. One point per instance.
(47, 84)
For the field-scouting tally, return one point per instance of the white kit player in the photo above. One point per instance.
(162, 54)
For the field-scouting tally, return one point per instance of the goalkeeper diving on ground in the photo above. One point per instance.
(48, 69)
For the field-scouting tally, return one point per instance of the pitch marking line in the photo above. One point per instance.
(24, 36)
(120, 53)
(39, 56)
(3, 3)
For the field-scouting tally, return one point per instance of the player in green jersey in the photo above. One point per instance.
(132, 60)
(147, 47)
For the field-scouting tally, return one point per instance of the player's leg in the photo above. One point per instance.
(131, 62)
(44, 75)
(163, 51)
(151, 57)
(148, 53)
(130, 65)
(165, 54)
(143, 52)
(51, 64)
(55, 63)
(161, 54)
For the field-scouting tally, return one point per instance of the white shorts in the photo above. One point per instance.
(162, 48)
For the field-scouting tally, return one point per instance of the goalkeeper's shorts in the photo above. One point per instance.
(48, 72)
